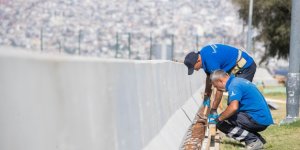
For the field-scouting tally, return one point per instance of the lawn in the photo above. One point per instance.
(279, 137)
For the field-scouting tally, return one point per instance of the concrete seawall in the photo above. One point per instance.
(75, 103)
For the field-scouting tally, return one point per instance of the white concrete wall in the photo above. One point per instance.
(72, 103)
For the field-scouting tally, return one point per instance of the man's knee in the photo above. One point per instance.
(222, 126)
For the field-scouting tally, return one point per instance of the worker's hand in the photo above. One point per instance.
(213, 117)
(206, 101)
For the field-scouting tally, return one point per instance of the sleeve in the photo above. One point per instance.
(234, 94)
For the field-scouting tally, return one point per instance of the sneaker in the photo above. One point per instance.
(256, 145)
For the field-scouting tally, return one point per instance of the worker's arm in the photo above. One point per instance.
(230, 110)
(218, 97)
(208, 85)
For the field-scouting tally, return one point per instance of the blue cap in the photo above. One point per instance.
(190, 61)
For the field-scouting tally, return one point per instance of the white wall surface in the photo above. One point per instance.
(75, 103)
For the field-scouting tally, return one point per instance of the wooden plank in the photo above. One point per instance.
(213, 136)
(217, 141)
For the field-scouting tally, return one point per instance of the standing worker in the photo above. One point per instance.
(247, 112)
(219, 56)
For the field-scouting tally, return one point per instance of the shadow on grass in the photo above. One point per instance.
(233, 143)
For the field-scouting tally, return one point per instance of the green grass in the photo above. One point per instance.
(274, 92)
(279, 96)
(284, 137)
(279, 137)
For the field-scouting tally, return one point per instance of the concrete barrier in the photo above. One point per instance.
(74, 103)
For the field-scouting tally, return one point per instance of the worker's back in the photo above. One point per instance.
(251, 101)
(221, 56)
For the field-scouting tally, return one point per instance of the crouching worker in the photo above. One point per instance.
(247, 112)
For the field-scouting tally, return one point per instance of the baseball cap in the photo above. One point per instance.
(190, 61)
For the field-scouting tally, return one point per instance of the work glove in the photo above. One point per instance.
(206, 101)
(213, 117)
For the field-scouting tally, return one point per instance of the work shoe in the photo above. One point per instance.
(256, 145)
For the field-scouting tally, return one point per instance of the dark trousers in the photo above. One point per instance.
(241, 127)
(247, 73)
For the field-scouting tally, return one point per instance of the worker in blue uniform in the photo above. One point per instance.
(220, 56)
(247, 112)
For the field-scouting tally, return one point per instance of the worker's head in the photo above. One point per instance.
(219, 79)
(193, 62)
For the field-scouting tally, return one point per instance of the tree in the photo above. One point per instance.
(272, 18)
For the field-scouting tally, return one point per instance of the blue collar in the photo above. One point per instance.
(229, 81)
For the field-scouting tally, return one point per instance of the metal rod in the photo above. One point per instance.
(197, 42)
(293, 80)
(249, 37)
(172, 47)
(98, 41)
(117, 45)
(129, 45)
(41, 39)
(59, 45)
(79, 41)
(150, 55)
(63, 43)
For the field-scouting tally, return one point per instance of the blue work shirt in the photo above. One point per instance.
(251, 101)
(220, 56)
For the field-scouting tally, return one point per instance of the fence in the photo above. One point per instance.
(128, 45)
